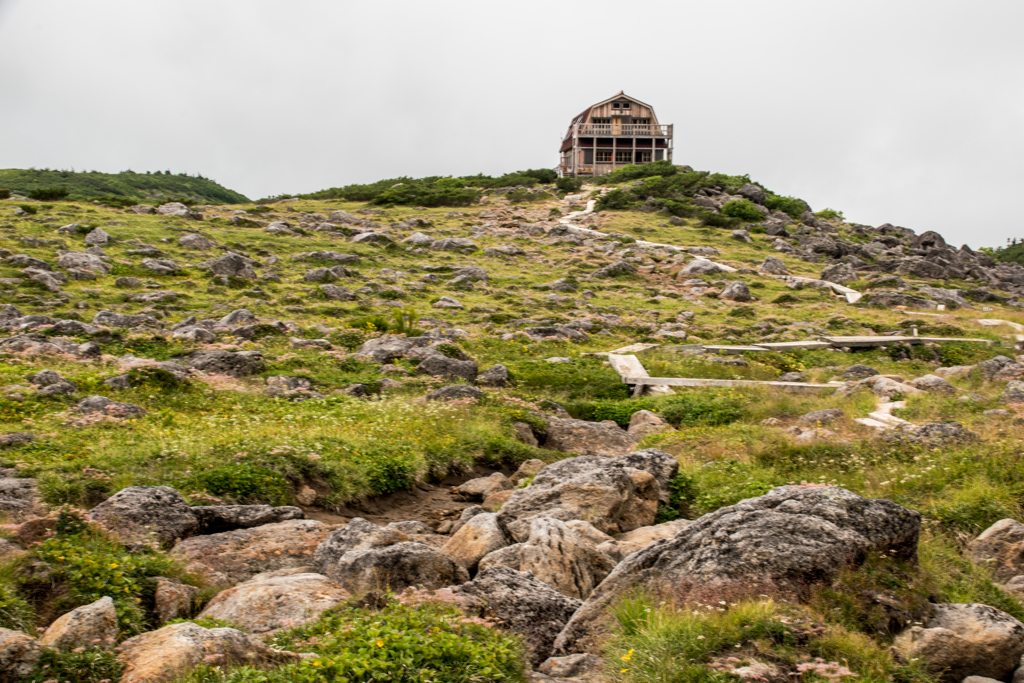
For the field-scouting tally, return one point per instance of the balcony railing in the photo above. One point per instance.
(635, 130)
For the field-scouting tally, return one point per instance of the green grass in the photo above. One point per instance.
(143, 187)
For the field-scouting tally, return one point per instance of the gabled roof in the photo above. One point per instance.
(582, 117)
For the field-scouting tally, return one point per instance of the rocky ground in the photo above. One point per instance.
(310, 440)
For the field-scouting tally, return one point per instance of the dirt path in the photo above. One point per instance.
(430, 503)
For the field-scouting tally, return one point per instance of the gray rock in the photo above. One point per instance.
(521, 604)
(97, 237)
(753, 193)
(572, 666)
(233, 265)
(613, 494)
(161, 266)
(454, 392)
(141, 514)
(1000, 548)
(82, 260)
(194, 333)
(111, 319)
(214, 519)
(231, 363)
(961, 640)
(787, 540)
(1014, 392)
(448, 302)
(239, 316)
(791, 377)
(336, 293)
(557, 332)
(933, 384)
(479, 537)
(858, 371)
(615, 269)
(194, 241)
(92, 625)
(589, 438)
(442, 366)
(453, 244)
(396, 567)
(736, 291)
(495, 376)
(700, 266)
(102, 404)
(19, 655)
(840, 273)
(773, 266)
(821, 416)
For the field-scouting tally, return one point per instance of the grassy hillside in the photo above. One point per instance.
(220, 439)
(127, 185)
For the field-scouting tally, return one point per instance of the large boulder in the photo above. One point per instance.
(479, 537)
(840, 273)
(143, 514)
(231, 363)
(239, 555)
(109, 407)
(556, 555)
(396, 567)
(1014, 392)
(784, 541)
(521, 604)
(86, 626)
(282, 599)
(1001, 549)
(620, 267)
(233, 265)
(442, 366)
(933, 384)
(961, 640)
(736, 291)
(358, 534)
(384, 349)
(164, 655)
(1000, 368)
(217, 518)
(19, 655)
(773, 266)
(589, 438)
(630, 542)
(613, 494)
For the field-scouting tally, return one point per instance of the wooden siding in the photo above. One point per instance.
(636, 110)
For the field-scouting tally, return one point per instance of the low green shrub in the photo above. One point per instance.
(49, 194)
(569, 185)
(785, 299)
(5, 193)
(29, 209)
(744, 209)
(789, 205)
(244, 483)
(717, 220)
(830, 214)
(89, 665)
(84, 565)
(428, 643)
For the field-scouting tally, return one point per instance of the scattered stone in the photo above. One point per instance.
(786, 540)
(164, 655)
(482, 487)
(736, 291)
(454, 392)
(85, 626)
(589, 438)
(821, 417)
(142, 514)
(173, 599)
(495, 376)
(521, 604)
(19, 655)
(1014, 392)
(643, 423)
(773, 266)
(859, 371)
(231, 363)
(109, 407)
(478, 538)
(933, 384)
(1000, 548)
(442, 366)
(961, 640)
(276, 600)
(396, 567)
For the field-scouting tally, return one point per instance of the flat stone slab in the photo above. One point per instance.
(734, 349)
(700, 382)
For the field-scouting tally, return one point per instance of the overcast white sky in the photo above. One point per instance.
(891, 111)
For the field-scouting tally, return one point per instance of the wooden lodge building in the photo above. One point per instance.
(610, 134)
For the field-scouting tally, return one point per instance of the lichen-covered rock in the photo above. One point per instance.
(556, 555)
(821, 416)
(933, 384)
(109, 407)
(172, 599)
(282, 599)
(234, 556)
(396, 567)
(358, 534)
(482, 487)
(442, 366)
(166, 654)
(231, 363)
(214, 519)
(91, 625)
(1014, 392)
(142, 514)
(495, 376)
(454, 392)
(521, 604)
(630, 542)
(786, 540)
(589, 438)
(613, 494)
(477, 538)
(644, 422)
(19, 655)
(736, 291)
(1000, 548)
(961, 640)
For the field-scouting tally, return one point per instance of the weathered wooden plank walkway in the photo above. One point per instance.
(698, 382)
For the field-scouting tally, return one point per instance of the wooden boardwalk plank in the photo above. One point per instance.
(698, 382)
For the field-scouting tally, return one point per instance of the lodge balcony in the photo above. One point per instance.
(632, 130)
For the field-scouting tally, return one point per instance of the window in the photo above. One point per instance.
(620, 105)
(599, 120)
(642, 122)
(588, 156)
(625, 157)
(643, 157)
(604, 155)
